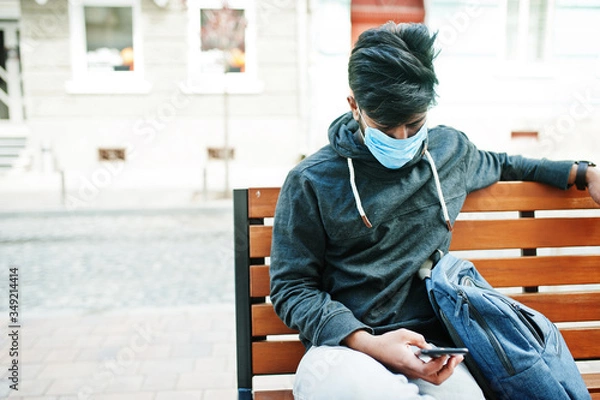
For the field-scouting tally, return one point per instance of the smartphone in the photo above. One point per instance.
(443, 351)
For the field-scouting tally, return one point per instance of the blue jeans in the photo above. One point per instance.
(330, 373)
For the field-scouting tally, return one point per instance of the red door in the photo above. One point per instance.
(366, 14)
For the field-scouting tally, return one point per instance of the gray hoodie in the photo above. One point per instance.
(331, 274)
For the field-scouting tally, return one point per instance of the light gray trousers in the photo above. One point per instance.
(331, 373)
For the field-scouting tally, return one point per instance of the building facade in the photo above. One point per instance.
(132, 94)
(104, 95)
(522, 76)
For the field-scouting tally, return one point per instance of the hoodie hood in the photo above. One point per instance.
(344, 138)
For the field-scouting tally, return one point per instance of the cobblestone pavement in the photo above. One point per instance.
(119, 259)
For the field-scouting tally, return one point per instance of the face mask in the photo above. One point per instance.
(390, 152)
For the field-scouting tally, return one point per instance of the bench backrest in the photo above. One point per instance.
(509, 230)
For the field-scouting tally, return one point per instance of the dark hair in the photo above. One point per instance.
(391, 72)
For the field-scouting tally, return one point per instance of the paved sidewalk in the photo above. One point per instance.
(154, 354)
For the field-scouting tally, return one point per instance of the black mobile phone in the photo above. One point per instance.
(443, 351)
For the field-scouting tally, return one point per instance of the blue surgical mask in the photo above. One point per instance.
(390, 152)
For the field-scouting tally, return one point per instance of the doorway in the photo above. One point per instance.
(367, 14)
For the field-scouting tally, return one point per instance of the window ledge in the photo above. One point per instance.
(210, 85)
(108, 86)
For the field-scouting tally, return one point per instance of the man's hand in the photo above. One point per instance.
(592, 177)
(393, 349)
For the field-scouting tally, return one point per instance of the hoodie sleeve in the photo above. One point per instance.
(297, 259)
(485, 168)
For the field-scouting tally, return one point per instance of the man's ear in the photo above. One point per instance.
(353, 106)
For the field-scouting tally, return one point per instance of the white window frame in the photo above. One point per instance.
(521, 65)
(90, 82)
(232, 82)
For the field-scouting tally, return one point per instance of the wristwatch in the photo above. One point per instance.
(582, 167)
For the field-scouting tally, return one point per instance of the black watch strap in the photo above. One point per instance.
(580, 180)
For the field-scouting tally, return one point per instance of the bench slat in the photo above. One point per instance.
(261, 202)
(503, 196)
(274, 395)
(499, 272)
(525, 233)
(276, 357)
(260, 241)
(259, 281)
(266, 322)
(526, 196)
(564, 306)
(539, 270)
(583, 342)
(592, 381)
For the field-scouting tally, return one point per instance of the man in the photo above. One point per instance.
(357, 219)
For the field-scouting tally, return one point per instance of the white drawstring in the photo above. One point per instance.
(438, 187)
(359, 207)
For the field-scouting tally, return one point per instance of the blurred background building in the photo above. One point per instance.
(101, 96)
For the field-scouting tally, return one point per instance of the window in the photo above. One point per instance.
(222, 40)
(527, 30)
(576, 29)
(222, 47)
(106, 53)
(109, 38)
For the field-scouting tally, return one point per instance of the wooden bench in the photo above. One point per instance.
(550, 252)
